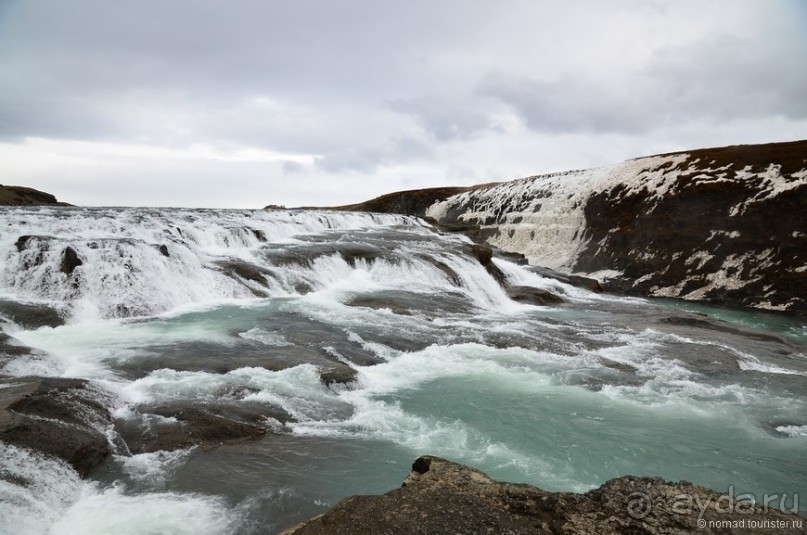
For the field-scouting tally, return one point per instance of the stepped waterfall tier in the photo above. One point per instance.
(239, 372)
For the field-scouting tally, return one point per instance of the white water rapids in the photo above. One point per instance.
(242, 310)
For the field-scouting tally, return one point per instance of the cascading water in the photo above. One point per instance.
(343, 345)
(137, 262)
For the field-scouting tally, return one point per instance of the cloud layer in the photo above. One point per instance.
(205, 103)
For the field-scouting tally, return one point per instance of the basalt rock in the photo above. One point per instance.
(60, 417)
(484, 254)
(11, 348)
(70, 261)
(412, 303)
(178, 426)
(211, 358)
(574, 280)
(39, 247)
(243, 270)
(522, 294)
(22, 243)
(30, 316)
(441, 498)
(352, 253)
(246, 273)
(533, 296)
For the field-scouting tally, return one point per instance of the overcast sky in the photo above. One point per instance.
(247, 103)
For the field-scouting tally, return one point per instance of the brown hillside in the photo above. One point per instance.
(22, 196)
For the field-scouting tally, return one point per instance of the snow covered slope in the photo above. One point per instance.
(725, 225)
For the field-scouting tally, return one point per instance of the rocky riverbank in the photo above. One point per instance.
(442, 497)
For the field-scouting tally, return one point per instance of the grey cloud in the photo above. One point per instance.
(447, 118)
(291, 167)
(719, 79)
(178, 73)
(369, 158)
(460, 174)
(67, 67)
(567, 105)
(59, 55)
(363, 88)
(731, 78)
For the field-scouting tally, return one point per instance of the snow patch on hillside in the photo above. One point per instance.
(771, 183)
(543, 217)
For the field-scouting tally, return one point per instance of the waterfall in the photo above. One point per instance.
(127, 262)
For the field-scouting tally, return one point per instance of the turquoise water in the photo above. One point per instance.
(546, 412)
(779, 323)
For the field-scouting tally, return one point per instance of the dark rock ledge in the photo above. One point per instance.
(65, 418)
(484, 253)
(441, 497)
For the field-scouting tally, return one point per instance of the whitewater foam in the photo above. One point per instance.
(265, 337)
(113, 511)
(40, 495)
(793, 430)
(153, 469)
(137, 262)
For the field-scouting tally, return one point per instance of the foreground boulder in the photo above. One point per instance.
(60, 417)
(441, 497)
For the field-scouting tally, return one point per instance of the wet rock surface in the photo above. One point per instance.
(522, 294)
(30, 316)
(70, 419)
(210, 358)
(411, 303)
(183, 425)
(70, 261)
(533, 296)
(60, 417)
(441, 497)
(484, 254)
(703, 323)
(11, 348)
(248, 274)
(575, 280)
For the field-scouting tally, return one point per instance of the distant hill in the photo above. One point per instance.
(724, 225)
(22, 196)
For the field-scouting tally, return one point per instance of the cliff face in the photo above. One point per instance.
(22, 196)
(441, 497)
(723, 225)
(729, 228)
